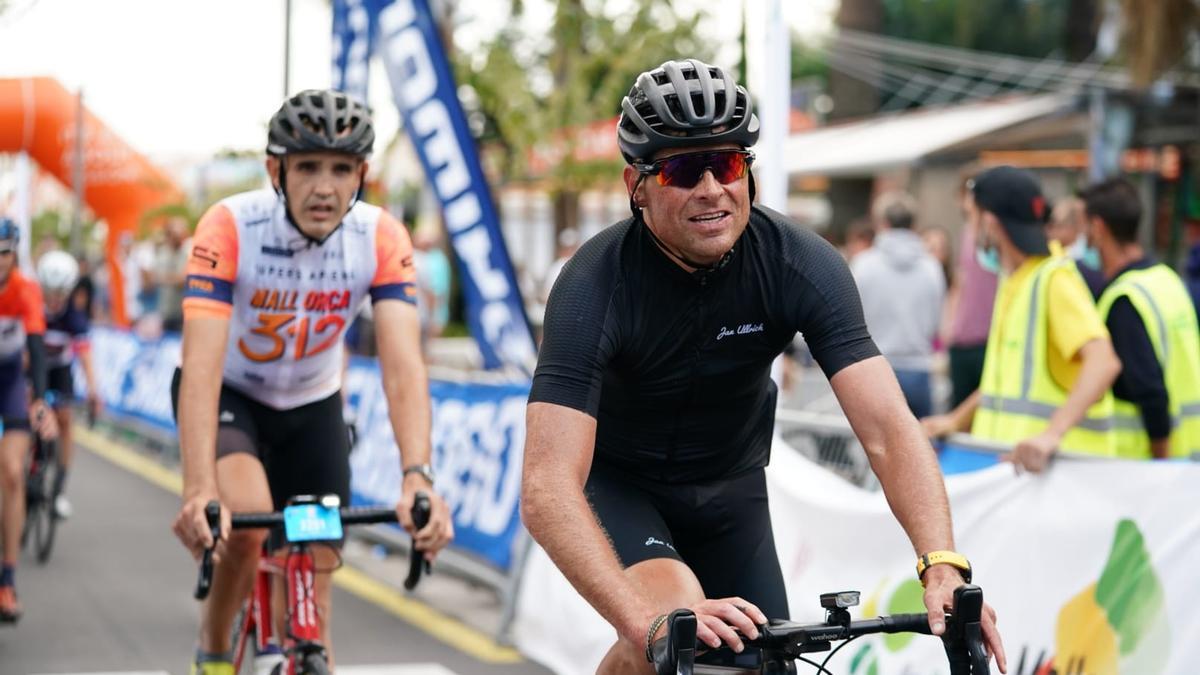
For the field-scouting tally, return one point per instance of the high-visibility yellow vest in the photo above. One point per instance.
(1018, 393)
(1162, 301)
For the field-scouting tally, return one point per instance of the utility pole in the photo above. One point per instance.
(287, 47)
(77, 176)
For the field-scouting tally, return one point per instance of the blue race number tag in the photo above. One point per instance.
(312, 522)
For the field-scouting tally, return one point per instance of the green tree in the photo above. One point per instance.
(527, 89)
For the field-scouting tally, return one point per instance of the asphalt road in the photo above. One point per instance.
(116, 597)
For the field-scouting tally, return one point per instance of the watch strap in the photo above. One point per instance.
(951, 558)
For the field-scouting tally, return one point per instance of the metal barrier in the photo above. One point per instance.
(828, 440)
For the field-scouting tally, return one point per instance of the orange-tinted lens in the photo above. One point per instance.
(685, 171)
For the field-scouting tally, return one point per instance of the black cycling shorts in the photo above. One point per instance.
(721, 529)
(61, 381)
(304, 450)
(14, 395)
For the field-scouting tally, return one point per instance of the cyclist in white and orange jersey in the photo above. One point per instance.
(274, 278)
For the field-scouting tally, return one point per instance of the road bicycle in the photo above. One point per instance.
(781, 643)
(41, 481)
(304, 522)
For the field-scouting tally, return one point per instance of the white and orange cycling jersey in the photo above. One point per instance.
(289, 299)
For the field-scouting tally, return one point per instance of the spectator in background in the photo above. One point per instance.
(83, 298)
(1067, 227)
(970, 307)
(902, 289)
(144, 256)
(568, 243)
(131, 277)
(937, 241)
(433, 281)
(1192, 267)
(860, 234)
(1150, 315)
(1049, 356)
(170, 271)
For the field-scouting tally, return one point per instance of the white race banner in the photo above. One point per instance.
(1093, 567)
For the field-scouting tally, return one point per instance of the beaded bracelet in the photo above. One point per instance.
(654, 626)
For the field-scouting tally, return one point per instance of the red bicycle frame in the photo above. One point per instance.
(303, 632)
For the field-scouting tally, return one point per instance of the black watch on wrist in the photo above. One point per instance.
(426, 471)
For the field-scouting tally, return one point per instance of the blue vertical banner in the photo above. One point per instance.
(355, 27)
(424, 91)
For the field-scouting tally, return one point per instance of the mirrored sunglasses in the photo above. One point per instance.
(685, 171)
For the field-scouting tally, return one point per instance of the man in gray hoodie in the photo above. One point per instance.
(902, 289)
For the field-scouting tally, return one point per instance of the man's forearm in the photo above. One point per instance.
(1096, 374)
(407, 394)
(912, 482)
(197, 434)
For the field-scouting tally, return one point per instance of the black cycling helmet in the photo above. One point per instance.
(321, 119)
(681, 104)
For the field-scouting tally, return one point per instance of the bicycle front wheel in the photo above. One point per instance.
(313, 664)
(45, 524)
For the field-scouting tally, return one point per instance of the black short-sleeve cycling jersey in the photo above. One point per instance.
(675, 366)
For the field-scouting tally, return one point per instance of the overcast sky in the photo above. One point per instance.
(190, 77)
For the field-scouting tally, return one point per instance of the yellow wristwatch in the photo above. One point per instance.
(948, 557)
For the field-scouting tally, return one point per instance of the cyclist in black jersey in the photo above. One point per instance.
(651, 411)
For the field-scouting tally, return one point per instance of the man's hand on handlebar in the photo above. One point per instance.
(440, 529)
(43, 420)
(191, 525)
(725, 620)
(940, 582)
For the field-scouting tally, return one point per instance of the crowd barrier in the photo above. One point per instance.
(478, 434)
(1090, 566)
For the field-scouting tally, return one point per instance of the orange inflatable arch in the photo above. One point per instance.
(37, 116)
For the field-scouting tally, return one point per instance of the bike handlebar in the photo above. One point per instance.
(676, 652)
(354, 515)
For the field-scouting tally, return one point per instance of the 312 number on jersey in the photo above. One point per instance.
(286, 333)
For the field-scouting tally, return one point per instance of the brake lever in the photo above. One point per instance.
(421, 510)
(963, 638)
(675, 652)
(212, 514)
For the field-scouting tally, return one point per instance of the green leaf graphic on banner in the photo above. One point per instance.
(909, 598)
(1118, 624)
(1128, 589)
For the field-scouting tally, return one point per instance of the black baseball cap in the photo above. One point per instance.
(1014, 196)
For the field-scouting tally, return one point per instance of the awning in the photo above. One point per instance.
(884, 143)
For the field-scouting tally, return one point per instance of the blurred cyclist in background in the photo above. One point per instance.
(22, 326)
(67, 327)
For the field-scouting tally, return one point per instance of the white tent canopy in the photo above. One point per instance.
(883, 143)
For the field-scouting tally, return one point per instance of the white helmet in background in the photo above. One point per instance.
(57, 271)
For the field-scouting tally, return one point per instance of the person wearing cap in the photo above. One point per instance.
(1049, 357)
(1148, 312)
(651, 410)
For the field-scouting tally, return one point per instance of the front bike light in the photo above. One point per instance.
(334, 501)
(840, 600)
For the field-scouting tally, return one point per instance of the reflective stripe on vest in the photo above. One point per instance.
(1011, 410)
(1166, 310)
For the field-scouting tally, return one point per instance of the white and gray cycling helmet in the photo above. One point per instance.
(57, 271)
(318, 120)
(683, 104)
